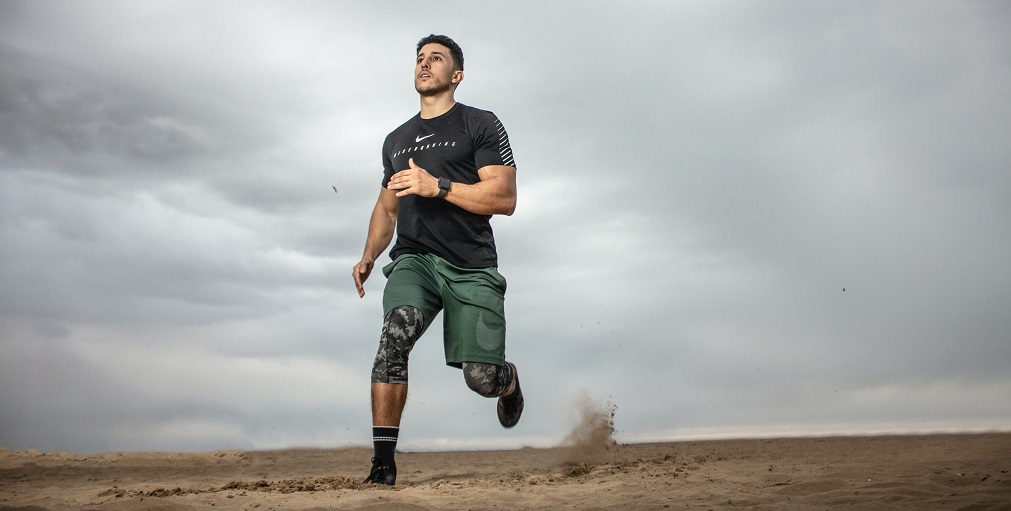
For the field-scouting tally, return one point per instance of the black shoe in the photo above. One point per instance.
(510, 407)
(382, 473)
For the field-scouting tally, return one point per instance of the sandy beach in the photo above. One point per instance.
(942, 472)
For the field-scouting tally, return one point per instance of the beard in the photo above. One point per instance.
(433, 89)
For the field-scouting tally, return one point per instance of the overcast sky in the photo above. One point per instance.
(734, 219)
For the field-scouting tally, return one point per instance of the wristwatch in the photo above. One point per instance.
(443, 187)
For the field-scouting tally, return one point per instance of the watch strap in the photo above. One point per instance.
(444, 185)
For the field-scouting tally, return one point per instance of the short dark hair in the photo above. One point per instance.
(454, 49)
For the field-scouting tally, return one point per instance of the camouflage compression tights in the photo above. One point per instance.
(401, 329)
(489, 380)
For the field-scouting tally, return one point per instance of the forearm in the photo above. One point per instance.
(381, 228)
(494, 194)
(487, 197)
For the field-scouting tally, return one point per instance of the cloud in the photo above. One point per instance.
(698, 183)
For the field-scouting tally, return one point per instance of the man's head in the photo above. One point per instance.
(439, 66)
(454, 49)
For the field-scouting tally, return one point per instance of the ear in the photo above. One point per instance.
(457, 77)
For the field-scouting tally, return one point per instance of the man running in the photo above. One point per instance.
(447, 170)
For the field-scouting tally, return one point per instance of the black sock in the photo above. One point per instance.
(384, 442)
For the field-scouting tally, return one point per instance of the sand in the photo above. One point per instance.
(949, 472)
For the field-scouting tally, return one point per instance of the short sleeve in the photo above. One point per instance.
(387, 162)
(492, 143)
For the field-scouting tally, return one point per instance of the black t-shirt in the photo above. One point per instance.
(453, 145)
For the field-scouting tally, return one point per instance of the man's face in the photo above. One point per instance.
(433, 71)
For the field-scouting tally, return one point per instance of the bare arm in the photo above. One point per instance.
(381, 229)
(494, 194)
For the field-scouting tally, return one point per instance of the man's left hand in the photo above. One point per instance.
(414, 181)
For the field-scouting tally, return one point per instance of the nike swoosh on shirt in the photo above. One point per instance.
(419, 139)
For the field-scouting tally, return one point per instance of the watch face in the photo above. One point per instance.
(444, 183)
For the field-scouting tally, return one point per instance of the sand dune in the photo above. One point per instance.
(949, 472)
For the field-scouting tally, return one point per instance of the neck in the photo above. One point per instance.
(434, 106)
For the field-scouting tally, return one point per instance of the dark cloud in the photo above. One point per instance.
(698, 183)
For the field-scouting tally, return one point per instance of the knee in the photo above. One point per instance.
(482, 387)
(482, 378)
(401, 330)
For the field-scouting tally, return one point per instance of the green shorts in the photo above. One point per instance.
(473, 301)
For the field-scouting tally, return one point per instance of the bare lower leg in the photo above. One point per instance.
(388, 400)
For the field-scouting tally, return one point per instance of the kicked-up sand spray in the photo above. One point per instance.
(592, 439)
